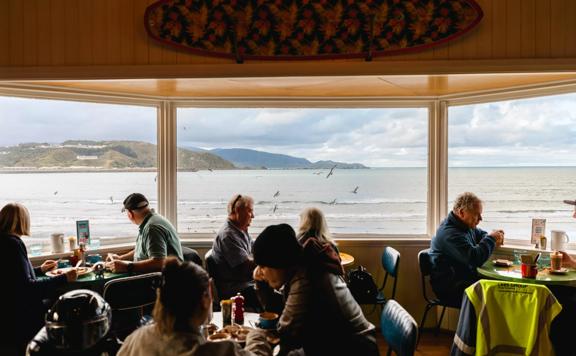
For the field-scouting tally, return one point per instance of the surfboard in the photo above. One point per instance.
(308, 29)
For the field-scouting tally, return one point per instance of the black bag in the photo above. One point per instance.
(362, 286)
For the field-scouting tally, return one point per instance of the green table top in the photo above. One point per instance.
(513, 274)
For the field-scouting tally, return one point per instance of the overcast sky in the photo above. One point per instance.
(534, 132)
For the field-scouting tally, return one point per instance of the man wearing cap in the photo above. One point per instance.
(157, 239)
(232, 251)
(320, 316)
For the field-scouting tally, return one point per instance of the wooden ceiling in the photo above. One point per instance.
(350, 86)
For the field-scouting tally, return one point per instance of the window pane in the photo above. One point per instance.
(379, 184)
(517, 156)
(68, 161)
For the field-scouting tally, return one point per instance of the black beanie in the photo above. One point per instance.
(277, 247)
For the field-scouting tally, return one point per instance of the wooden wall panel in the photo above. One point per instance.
(16, 21)
(513, 29)
(60, 33)
(557, 26)
(5, 35)
(542, 36)
(44, 28)
(528, 22)
(30, 32)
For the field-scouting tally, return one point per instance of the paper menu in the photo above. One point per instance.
(538, 229)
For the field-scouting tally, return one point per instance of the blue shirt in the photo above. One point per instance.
(231, 248)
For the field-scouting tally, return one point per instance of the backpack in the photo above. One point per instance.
(362, 286)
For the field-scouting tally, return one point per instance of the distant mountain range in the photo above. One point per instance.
(246, 158)
(129, 155)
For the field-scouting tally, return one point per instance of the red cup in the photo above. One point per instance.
(529, 271)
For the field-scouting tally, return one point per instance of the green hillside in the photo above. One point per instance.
(101, 155)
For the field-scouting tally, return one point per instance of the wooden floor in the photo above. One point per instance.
(429, 345)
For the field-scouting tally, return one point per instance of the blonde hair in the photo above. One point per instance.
(15, 219)
(466, 201)
(313, 219)
(239, 201)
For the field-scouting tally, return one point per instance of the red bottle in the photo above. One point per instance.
(238, 309)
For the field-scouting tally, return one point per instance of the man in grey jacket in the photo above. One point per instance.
(320, 316)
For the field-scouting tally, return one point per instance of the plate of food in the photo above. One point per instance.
(501, 262)
(559, 271)
(80, 271)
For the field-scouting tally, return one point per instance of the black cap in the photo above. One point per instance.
(277, 247)
(571, 202)
(135, 201)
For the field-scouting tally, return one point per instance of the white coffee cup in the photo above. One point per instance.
(57, 240)
(558, 240)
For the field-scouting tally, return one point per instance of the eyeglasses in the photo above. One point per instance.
(234, 203)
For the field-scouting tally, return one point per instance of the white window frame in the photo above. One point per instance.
(437, 168)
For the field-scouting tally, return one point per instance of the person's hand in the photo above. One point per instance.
(112, 257)
(48, 265)
(498, 236)
(567, 260)
(72, 275)
(118, 266)
(257, 274)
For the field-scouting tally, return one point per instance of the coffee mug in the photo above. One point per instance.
(268, 320)
(558, 240)
(529, 271)
(57, 240)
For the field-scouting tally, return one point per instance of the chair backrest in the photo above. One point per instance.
(399, 328)
(211, 269)
(132, 292)
(390, 262)
(191, 255)
(425, 269)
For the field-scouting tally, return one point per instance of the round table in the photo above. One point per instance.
(513, 274)
(346, 259)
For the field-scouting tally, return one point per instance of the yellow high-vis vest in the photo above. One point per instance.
(513, 318)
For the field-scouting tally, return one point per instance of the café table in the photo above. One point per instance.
(347, 259)
(514, 274)
(250, 319)
(89, 281)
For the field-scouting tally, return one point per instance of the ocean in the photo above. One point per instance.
(386, 201)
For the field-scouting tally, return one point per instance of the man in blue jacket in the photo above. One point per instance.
(459, 247)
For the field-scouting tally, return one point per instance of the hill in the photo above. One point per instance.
(247, 158)
(101, 155)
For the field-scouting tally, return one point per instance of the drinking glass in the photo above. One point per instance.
(94, 244)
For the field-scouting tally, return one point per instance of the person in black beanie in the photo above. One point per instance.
(320, 316)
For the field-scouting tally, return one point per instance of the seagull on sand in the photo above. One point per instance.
(355, 191)
(276, 194)
(331, 171)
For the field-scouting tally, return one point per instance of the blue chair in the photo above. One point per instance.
(399, 329)
(425, 269)
(390, 262)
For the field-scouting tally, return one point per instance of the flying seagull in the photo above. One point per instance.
(276, 194)
(210, 169)
(355, 190)
(331, 171)
(112, 199)
(56, 192)
(275, 208)
(332, 202)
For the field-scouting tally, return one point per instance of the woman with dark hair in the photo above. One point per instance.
(183, 305)
(23, 293)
